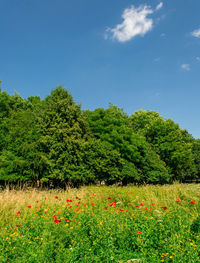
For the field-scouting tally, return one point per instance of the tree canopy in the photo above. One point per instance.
(55, 143)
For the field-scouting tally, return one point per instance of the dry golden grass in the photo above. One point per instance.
(16, 200)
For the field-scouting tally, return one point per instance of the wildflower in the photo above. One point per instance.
(56, 197)
(192, 202)
(164, 207)
(68, 201)
(29, 206)
(67, 220)
(178, 200)
(137, 205)
(45, 211)
(93, 203)
(126, 210)
(105, 208)
(121, 209)
(85, 205)
(16, 225)
(18, 213)
(153, 204)
(141, 204)
(57, 220)
(139, 232)
(109, 198)
(36, 201)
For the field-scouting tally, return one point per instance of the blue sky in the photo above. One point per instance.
(134, 54)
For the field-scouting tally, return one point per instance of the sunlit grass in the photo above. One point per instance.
(101, 224)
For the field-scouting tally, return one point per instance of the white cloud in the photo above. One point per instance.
(196, 33)
(135, 23)
(159, 6)
(185, 67)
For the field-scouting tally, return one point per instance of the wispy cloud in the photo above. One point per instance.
(185, 67)
(156, 59)
(159, 6)
(163, 35)
(198, 58)
(135, 22)
(196, 33)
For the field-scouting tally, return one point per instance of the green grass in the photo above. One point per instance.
(97, 228)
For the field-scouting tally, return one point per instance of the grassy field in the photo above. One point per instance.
(101, 224)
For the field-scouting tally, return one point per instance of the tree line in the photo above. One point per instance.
(52, 142)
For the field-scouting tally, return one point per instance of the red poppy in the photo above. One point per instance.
(18, 213)
(68, 201)
(153, 204)
(105, 207)
(164, 207)
(139, 232)
(126, 210)
(16, 225)
(29, 206)
(85, 205)
(45, 211)
(145, 208)
(56, 197)
(109, 198)
(36, 201)
(178, 200)
(121, 209)
(57, 220)
(54, 216)
(67, 220)
(93, 203)
(137, 205)
(141, 204)
(45, 198)
(192, 202)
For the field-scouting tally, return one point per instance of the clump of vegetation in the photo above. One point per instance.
(52, 142)
(101, 224)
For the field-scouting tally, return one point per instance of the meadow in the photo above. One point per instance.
(101, 224)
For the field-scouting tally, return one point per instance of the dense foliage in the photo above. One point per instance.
(53, 142)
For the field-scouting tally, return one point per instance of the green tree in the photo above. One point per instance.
(167, 140)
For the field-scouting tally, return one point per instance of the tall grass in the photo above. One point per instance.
(101, 224)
